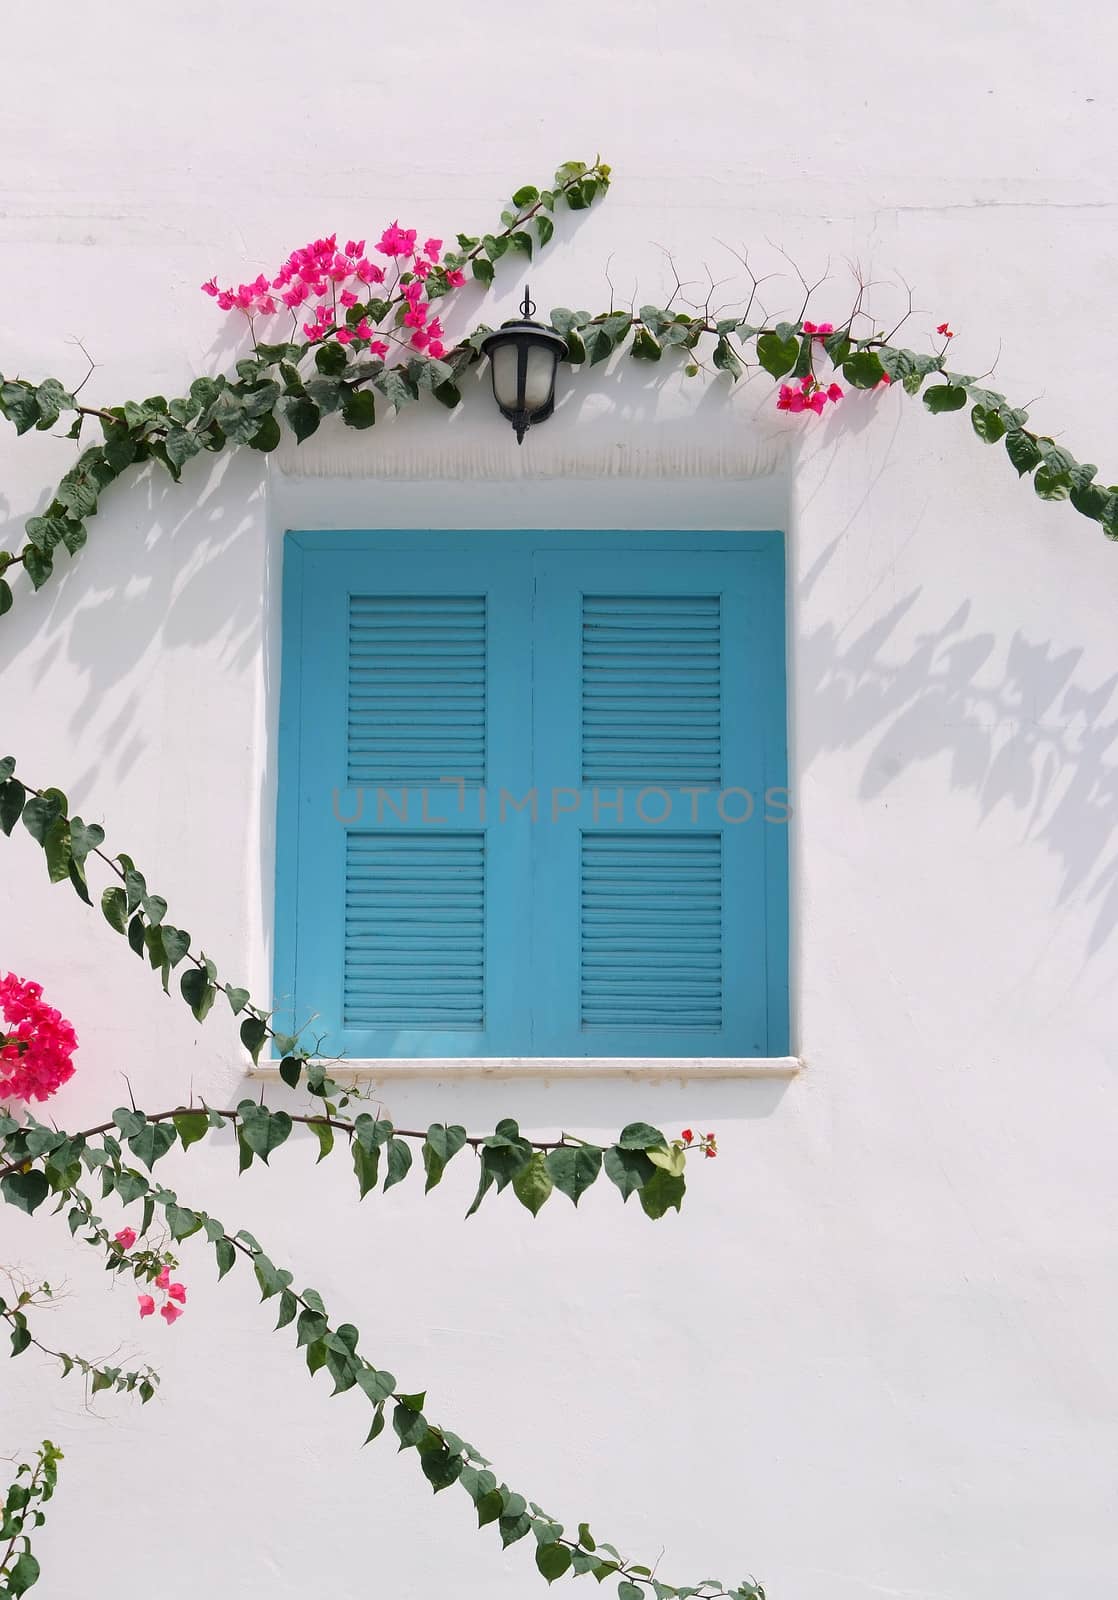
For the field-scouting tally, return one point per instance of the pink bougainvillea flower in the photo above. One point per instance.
(355, 248)
(369, 272)
(126, 1238)
(177, 1291)
(436, 348)
(344, 335)
(396, 241)
(819, 329)
(945, 330)
(808, 394)
(417, 316)
(210, 286)
(364, 329)
(420, 267)
(834, 392)
(456, 278)
(687, 1136)
(348, 298)
(146, 1304)
(163, 1278)
(378, 348)
(35, 1057)
(431, 249)
(413, 290)
(170, 1313)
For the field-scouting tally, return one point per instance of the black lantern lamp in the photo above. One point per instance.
(523, 356)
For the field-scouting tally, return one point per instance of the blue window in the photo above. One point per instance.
(532, 794)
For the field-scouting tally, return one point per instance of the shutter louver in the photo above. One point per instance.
(651, 689)
(414, 930)
(651, 936)
(416, 689)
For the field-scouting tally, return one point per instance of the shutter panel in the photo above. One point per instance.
(650, 931)
(416, 684)
(410, 903)
(651, 689)
(414, 930)
(659, 679)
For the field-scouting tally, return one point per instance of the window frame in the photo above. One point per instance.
(768, 547)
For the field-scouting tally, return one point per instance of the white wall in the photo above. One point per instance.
(875, 1354)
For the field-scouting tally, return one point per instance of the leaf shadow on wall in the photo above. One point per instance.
(1021, 733)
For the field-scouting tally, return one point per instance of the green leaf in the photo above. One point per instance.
(553, 1560)
(13, 796)
(182, 1222)
(366, 1163)
(630, 1170)
(359, 409)
(441, 1145)
(483, 271)
(190, 1127)
(645, 347)
(1051, 484)
(272, 1279)
(987, 424)
(41, 812)
(863, 370)
(398, 1161)
(397, 387)
(1022, 451)
(152, 1142)
(522, 242)
(585, 1538)
(945, 397)
(22, 1575)
(5, 596)
(301, 415)
(38, 566)
(673, 1159)
(254, 1034)
(533, 1184)
(25, 1190)
(267, 436)
(661, 1193)
(262, 1130)
(18, 404)
(115, 909)
(7, 767)
(226, 1253)
(726, 360)
(324, 1133)
(197, 991)
(379, 1386)
(777, 355)
(641, 1136)
(573, 1168)
(410, 1425)
(599, 346)
(527, 196)
(545, 228)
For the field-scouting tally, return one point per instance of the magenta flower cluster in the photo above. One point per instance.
(35, 1057)
(324, 281)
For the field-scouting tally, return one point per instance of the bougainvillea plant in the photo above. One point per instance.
(333, 328)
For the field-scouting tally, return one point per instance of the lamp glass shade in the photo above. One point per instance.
(506, 361)
(539, 377)
(523, 358)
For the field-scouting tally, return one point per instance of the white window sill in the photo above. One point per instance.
(643, 1069)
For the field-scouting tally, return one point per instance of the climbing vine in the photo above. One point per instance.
(363, 336)
(362, 330)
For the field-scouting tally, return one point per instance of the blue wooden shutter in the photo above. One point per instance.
(660, 703)
(403, 907)
(606, 673)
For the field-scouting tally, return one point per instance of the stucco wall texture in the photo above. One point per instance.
(875, 1354)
